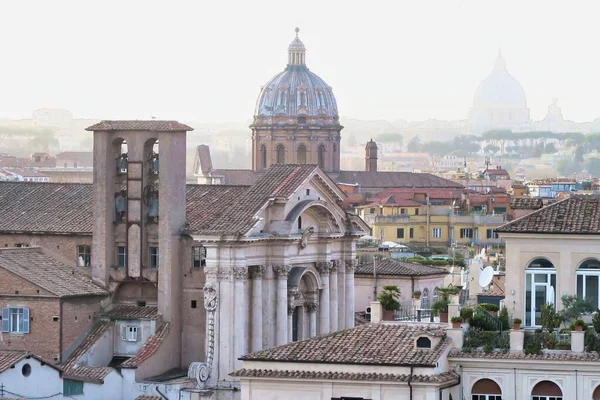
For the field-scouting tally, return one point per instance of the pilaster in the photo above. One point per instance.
(350, 267)
(324, 324)
(333, 296)
(312, 312)
(281, 271)
(256, 273)
(242, 311)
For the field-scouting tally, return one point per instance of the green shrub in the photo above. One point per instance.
(550, 318)
(489, 307)
(596, 321)
(466, 313)
(456, 319)
(517, 321)
(389, 298)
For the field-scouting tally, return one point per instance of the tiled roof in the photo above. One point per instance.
(153, 125)
(206, 203)
(578, 214)
(132, 312)
(387, 179)
(496, 171)
(432, 193)
(526, 203)
(446, 377)
(547, 356)
(376, 344)
(8, 358)
(279, 181)
(149, 347)
(394, 201)
(146, 397)
(84, 372)
(389, 266)
(46, 207)
(32, 264)
(237, 176)
(203, 161)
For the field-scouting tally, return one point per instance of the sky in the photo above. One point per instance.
(206, 61)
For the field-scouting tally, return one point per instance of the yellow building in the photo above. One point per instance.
(411, 222)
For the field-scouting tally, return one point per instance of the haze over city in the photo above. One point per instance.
(206, 61)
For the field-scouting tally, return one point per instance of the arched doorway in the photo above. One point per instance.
(486, 389)
(304, 306)
(301, 154)
(546, 390)
(540, 288)
(596, 395)
(321, 156)
(280, 154)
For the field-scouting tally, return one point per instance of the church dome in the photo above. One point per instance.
(296, 92)
(500, 89)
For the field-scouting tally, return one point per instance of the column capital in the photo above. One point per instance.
(257, 271)
(240, 273)
(281, 271)
(312, 307)
(351, 264)
(335, 265)
(211, 273)
(323, 267)
(291, 309)
(224, 273)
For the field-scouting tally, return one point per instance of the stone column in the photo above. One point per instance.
(350, 265)
(290, 323)
(341, 296)
(333, 296)
(225, 340)
(312, 312)
(282, 303)
(242, 311)
(324, 268)
(257, 309)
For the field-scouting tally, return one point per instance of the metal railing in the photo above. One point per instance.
(410, 312)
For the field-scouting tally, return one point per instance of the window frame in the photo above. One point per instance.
(436, 233)
(399, 233)
(200, 261)
(84, 251)
(16, 320)
(583, 272)
(121, 255)
(153, 257)
(72, 387)
(131, 333)
(466, 233)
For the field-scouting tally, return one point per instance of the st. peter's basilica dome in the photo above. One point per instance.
(296, 92)
(500, 89)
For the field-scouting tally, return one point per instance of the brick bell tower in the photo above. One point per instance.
(371, 156)
(139, 211)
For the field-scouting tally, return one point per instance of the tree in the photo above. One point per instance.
(593, 166)
(414, 146)
(389, 298)
(491, 148)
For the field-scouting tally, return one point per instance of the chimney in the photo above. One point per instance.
(517, 336)
(376, 312)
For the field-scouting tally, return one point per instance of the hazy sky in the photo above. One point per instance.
(206, 60)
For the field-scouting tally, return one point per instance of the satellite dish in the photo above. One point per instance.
(486, 276)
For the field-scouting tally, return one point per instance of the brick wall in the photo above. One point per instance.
(78, 315)
(64, 246)
(194, 319)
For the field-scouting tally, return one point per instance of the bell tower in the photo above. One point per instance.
(139, 210)
(371, 156)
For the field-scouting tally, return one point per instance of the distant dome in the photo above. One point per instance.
(500, 89)
(296, 91)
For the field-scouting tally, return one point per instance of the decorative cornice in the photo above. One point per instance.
(240, 273)
(281, 271)
(257, 271)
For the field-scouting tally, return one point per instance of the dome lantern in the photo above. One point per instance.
(296, 51)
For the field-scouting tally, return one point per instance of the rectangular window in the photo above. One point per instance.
(403, 211)
(436, 233)
(21, 245)
(121, 256)
(130, 333)
(411, 233)
(416, 211)
(153, 257)
(84, 255)
(72, 388)
(400, 233)
(491, 234)
(15, 320)
(198, 256)
(466, 233)
(371, 211)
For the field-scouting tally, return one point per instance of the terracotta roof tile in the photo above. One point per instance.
(146, 397)
(149, 347)
(237, 176)
(132, 312)
(547, 356)
(387, 179)
(153, 125)
(87, 374)
(46, 207)
(376, 344)
(526, 203)
(32, 264)
(206, 203)
(578, 214)
(446, 377)
(8, 358)
(389, 266)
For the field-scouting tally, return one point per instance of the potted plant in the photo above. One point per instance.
(562, 345)
(551, 342)
(491, 308)
(517, 323)
(417, 294)
(579, 325)
(389, 301)
(466, 313)
(456, 321)
(440, 308)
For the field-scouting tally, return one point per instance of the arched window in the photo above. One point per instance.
(588, 277)
(280, 154)
(263, 156)
(300, 222)
(540, 288)
(486, 389)
(423, 343)
(546, 390)
(321, 156)
(425, 301)
(596, 395)
(301, 154)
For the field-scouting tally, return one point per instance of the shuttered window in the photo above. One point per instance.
(71, 387)
(15, 320)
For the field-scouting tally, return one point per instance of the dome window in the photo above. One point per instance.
(302, 120)
(423, 343)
